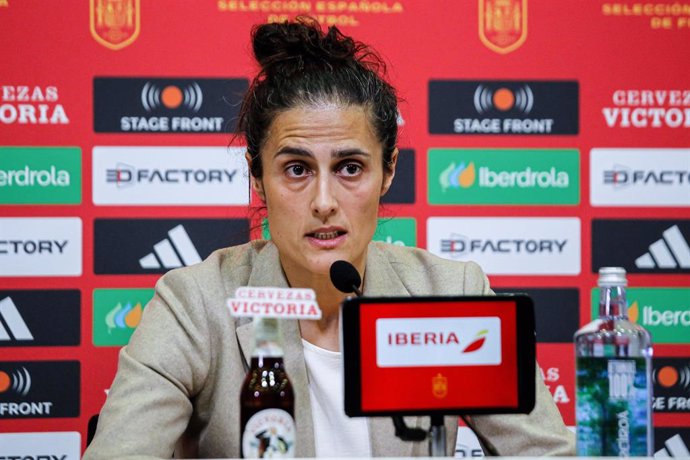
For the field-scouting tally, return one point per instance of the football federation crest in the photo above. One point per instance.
(439, 386)
(503, 24)
(114, 23)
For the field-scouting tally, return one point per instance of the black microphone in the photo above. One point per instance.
(345, 277)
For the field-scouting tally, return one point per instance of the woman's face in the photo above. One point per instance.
(322, 180)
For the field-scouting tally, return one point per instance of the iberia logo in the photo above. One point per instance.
(477, 343)
(472, 341)
(124, 317)
(114, 23)
(503, 24)
(456, 176)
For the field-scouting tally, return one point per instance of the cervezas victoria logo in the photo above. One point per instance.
(503, 24)
(421, 342)
(114, 23)
(648, 108)
(31, 105)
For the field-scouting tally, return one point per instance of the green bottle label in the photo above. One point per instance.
(612, 407)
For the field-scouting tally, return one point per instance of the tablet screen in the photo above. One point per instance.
(440, 355)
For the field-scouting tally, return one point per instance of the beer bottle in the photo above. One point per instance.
(267, 401)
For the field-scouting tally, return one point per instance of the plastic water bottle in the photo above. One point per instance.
(613, 381)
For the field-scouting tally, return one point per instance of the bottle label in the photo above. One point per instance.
(613, 407)
(270, 433)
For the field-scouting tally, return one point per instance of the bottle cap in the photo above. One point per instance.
(266, 328)
(612, 276)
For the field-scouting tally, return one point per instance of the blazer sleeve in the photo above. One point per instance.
(541, 432)
(148, 407)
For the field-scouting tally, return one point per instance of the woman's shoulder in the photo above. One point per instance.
(222, 271)
(423, 271)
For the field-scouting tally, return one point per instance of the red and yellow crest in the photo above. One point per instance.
(114, 23)
(503, 24)
(439, 386)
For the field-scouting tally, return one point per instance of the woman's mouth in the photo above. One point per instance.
(327, 235)
(327, 238)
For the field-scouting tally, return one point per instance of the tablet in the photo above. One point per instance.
(438, 355)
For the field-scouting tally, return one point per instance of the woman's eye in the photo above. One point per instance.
(296, 170)
(351, 169)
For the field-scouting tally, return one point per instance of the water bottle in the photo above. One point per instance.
(613, 377)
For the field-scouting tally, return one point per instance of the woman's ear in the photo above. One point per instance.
(389, 172)
(257, 184)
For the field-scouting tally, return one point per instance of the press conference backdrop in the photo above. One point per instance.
(541, 138)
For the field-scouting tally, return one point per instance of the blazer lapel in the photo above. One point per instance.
(380, 280)
(268, 272)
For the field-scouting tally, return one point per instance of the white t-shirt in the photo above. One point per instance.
(335, 434)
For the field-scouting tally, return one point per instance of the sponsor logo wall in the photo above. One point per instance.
(509, 245)
(672, 442)
(39, 389)
(129, 246)
(40, 318)
(640, 177)
(162, 105)
(503, 107)
(537, 159)
(170, 176)
(47, 446)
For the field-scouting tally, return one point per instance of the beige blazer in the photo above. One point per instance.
(178, 381)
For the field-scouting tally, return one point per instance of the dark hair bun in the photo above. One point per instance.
(292, 46)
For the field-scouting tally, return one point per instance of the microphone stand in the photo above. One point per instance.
(437, 437)
(437, 434)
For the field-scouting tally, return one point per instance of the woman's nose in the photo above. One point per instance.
(324, 202)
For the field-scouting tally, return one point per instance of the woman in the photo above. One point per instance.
(320, 126)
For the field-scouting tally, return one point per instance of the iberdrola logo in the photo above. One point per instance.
(634, 312)
(127, 317)
(458, 176)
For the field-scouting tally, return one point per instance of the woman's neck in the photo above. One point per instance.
(325, 332)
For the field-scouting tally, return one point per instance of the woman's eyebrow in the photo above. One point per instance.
(294, 151)
(349, 153)
(337, 154)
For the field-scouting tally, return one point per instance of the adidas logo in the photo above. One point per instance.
(670, 251)
(173, 252)
(674, 447)
(13, 321)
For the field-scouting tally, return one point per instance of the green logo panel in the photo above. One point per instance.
(116, 313)
(40, 175)
(504, 176)
(400, 231)
(664, 312)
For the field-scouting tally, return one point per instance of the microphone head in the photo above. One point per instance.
(345, 276)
